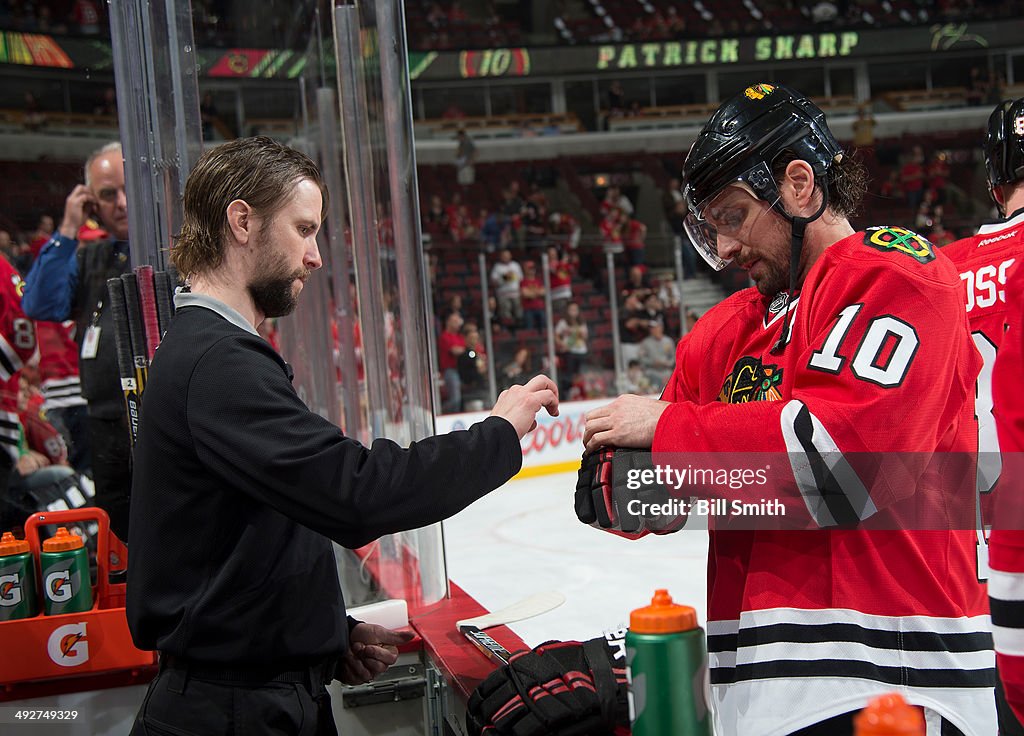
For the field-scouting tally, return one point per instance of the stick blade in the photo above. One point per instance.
(535, 605)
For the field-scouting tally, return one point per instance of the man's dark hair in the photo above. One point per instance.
(259, 171)
(847, 181)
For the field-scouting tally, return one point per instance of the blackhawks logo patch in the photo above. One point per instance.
(751, 380)
(758, 91)
(902, 240)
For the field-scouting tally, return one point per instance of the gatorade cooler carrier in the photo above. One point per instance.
(73, 652)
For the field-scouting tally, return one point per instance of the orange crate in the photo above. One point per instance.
(73, 645)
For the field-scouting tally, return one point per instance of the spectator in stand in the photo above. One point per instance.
(671, 197)
(940, 235)
(667, 290)
(653, 308)
(534, 219)
(520, 370)
(69, 282)
(436, 16)
(456, 14)
(635, 381)
(938, 176)
(450, 345)
(472, 366)
(637, 283)
(612, 230)
(560, 278)
(891, 187)
(532, 293)
(615, 199)
(657, 355)
(864, 130)
(495, 232)
(571, 345)
(616, 100)
(454, 305)
(912, 178)
(435, 221)
(676, 24)
(565, 231)
(43, 232)
(62, 390)
(635, 326)
(635, 241)
(7, 247)
(465, 159)
(506, 276)
(86, 15)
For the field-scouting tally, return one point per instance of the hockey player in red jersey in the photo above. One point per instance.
(994, 307)
(17, 345)
(851, 344)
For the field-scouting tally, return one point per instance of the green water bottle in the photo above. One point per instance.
(64, 568)
(17, 579)
(666, 665)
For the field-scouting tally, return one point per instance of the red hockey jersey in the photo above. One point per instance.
(985, 261)
(1006, 550)
(58, 364)
(808, 624)
(17, 345)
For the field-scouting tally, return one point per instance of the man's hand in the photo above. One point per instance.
(30, 462)
(520, 404)
(629, 421)
(371, 650)
(77, 208)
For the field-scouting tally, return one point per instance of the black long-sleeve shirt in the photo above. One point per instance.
(238, 489)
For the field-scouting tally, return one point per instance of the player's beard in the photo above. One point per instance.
(273, 289)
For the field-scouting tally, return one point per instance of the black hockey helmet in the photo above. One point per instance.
(739, 144)
(1004, 143)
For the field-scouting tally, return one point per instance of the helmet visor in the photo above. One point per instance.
(730, 213)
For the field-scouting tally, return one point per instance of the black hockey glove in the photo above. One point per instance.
(561, 688)
(611, 495)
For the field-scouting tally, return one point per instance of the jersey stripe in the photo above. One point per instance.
(10, 361)
(830, 487)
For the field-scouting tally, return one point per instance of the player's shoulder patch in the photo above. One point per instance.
(900, 240)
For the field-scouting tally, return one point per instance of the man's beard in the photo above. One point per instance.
(775, 279)
(272, 291)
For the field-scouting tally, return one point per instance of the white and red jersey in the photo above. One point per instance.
(17, 345)
(1006, 545)
(58, 365)
(808, 624)
(985, 261)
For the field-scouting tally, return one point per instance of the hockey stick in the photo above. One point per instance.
(164, 305)
(122, 345)
(535, 605)
(147, 306)
(136, 331)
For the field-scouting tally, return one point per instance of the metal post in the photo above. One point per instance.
(677, 250)
(613, 301)
(492, 382)
(549, 316)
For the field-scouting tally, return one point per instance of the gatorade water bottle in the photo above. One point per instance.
(17, 579)
(889, 715)
(666, 664)
(64, 568)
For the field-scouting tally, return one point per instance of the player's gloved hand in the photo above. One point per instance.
(609, 496)
(561, 688)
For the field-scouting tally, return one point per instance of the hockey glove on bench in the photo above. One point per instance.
(561, 688)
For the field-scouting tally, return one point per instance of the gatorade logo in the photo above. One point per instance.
(58, 586)
(10, 590)
(67, 645)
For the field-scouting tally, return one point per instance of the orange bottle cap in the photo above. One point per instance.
(889, 715)
(9, 545)
(62, 541)
(662, 616)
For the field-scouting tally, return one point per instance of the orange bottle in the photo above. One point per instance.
(889, 715)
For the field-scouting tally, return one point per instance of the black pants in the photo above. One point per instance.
(178, 704)
(843, 726)
(111, 470)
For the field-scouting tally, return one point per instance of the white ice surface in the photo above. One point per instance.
(525, 538)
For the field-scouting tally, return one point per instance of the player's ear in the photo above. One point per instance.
(240, 221)
(799, 179)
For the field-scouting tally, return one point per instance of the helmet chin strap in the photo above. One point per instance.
(798, 228)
